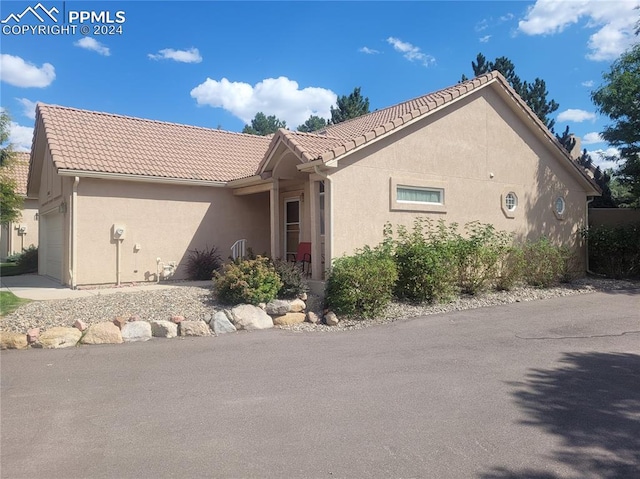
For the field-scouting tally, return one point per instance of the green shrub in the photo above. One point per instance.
(478, 254)
(28, 260)
(293, 283)
(362, 284)
(510, 268)
(425, 259)
(201, 264)
(614, 250)
(544, 263)
(251, 281)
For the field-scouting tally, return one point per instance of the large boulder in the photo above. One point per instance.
(59, 337)
(297, 306)
(9, 340)
(221, 324)
(289, 319)
(164, 329)
(331, 319)
(102, 333)
(136, 331)
(249, 317)
(277, 307)
(194, 328)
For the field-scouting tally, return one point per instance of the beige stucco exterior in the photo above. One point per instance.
(19, 235)
(477, 150)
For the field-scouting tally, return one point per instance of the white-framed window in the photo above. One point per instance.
(559, 205)
(510, 201)
(420, 195)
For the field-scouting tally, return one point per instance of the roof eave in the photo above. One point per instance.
(139, 178)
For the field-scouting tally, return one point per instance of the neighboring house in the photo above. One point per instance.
(19, 235)
(473, 151)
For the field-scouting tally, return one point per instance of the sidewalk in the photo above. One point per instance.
(41, 288)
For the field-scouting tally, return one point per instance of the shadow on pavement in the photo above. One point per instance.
(591, 401)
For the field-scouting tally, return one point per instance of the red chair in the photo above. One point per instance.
(304, 256)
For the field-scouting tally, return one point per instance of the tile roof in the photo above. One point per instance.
(107, 143)
(20, 171)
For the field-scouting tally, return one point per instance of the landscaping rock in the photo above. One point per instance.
(79, 325)
(177, 319)
(207, 318)
(303, 296)
(9, 340)
(221, 324)
(59, 337)
(249, 317)
(331, 319)
(136, 331)
(102, 333)
(297, 305)
(194, 328)
(134, 317)
(120, 321)
(32, 335)
(289, 319)
(313, 317)
(164, 329)
(277, 307)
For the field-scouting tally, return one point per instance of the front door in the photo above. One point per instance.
(291, 227)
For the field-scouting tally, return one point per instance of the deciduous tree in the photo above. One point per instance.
(10, 201)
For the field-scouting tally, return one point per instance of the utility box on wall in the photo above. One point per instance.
(118, 232)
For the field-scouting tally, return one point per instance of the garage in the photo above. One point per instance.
(52, 245)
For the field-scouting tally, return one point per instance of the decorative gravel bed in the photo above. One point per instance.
(196, 303)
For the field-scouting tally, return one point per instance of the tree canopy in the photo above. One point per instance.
(314, 123)
(10, 201)
(348, 107)
(263, 125)
(533, 93)
(619, 99)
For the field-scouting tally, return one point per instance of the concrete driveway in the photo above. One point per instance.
(539, 390)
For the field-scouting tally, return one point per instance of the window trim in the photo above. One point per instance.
(417, 184)
(440, 192)
(559, 215)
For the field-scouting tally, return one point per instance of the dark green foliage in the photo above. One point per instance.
(362, 284)
(614, 250)
(263, 125)
(567, 140)
(28, 260)
(545, 264)
(426, 262)
(603, 180)
(349, 107)
(534, 94)
(618, 99)
(250, 281)
(201, 264)
(10, 201)
(291, 275)
(510, 268)
(314, 123)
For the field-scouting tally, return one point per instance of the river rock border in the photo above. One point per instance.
(132, 329)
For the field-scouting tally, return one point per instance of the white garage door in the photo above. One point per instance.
(53, 245)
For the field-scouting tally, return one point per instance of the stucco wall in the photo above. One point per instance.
(477, 150)
(12, 241)
(165, 221)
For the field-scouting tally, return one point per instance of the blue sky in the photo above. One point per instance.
(215, 64)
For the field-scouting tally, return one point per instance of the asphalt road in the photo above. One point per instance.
(540, 390)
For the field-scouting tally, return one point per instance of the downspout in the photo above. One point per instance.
(587, 242)
(330, 223)
(74, 232)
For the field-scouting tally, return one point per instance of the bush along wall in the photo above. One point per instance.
(614, 251)
(434, 262)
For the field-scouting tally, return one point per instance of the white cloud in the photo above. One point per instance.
(575, 115)
(273, 96)
(411, 52)
(614, 21)
(507, 17)
(90, 43)
(368, 51)
(591, 138)
(28, 107)
(605, 159)
(15, 71)
(20, 136)
(192, 55)
(588, 83)
(485, 39)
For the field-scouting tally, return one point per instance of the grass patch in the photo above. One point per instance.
(9, 302)
(14, 269)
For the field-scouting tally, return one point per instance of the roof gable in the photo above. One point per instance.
(19, 171)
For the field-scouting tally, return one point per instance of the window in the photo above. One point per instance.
(560, 205)
(432, 196)
(511, 201)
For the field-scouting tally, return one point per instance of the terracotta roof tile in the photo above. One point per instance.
(107, 143)
(20, 171)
